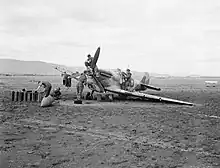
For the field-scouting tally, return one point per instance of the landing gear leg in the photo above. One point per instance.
(89, 96)
(92, 93)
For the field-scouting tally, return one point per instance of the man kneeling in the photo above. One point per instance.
(56, 93)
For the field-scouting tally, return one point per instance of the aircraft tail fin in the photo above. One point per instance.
(145, 82)
(145, 79)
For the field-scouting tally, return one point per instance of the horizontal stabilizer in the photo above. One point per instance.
(145, 82)
(151, 87)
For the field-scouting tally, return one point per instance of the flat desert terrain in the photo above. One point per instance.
(122, 134)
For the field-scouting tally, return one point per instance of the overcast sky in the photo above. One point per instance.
(179, 37)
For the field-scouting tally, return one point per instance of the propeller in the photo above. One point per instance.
(93, 66)
(95, 59)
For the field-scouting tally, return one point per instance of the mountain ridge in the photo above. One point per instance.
(15, 66)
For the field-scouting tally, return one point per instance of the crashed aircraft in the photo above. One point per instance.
(110, 81)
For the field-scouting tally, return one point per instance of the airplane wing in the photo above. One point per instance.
(62, 69)
(75, 76)
(147, 96)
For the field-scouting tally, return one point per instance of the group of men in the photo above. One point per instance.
(66, 79)
(82, 81)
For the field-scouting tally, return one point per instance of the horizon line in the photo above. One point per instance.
(190, 75)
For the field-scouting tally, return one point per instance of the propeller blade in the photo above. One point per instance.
(99, 84)
(95, 59)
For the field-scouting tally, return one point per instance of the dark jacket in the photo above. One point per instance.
(89, 61)
(128, 76)
(46, 84)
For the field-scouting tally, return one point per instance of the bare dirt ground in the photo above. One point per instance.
(111, 134)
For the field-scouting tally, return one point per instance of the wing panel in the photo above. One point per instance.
(148, 96)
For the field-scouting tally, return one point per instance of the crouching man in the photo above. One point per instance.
(47, 87)
(56, 93)
(88, 62)
(80, 85)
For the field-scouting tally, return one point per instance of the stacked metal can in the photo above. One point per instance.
(26, 96)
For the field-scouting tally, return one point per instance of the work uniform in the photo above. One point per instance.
(65, 79)
(80, 85)
(128, 76)
(68, 81)
(88, 62)
(47, 88)
(128, 79)
(56, 93)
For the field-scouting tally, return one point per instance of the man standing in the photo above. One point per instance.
(69, 80)
(80, 85)
(128, 78)
(122, 78)
(65, 79)
(47, 87)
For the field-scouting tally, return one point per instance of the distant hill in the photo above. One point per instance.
(12, 66)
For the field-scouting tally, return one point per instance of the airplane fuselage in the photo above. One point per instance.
(111, 79)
